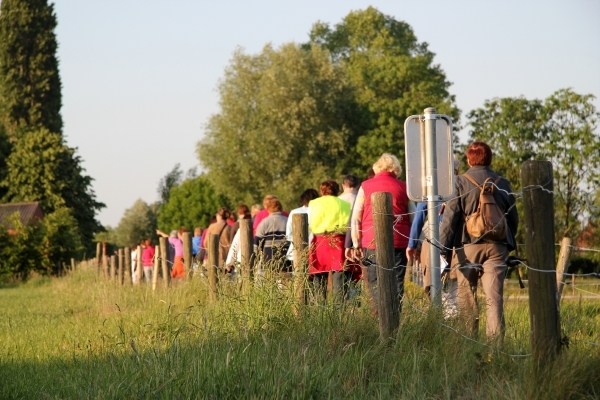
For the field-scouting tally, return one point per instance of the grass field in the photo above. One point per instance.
(79, 337)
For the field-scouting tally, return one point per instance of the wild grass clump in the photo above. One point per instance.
(83, 337)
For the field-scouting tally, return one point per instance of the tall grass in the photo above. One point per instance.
(82, 337)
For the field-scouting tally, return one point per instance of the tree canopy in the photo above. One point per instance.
(41, 167)
(137, 223)
(285, 124)
(30, 89)
(562, 129)
(392, 74)
(190, 204)
(35, 162)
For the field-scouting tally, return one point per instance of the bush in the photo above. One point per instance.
(37, 247)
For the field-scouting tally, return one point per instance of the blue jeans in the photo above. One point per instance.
(370, 264)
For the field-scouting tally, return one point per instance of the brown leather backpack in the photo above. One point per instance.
(488, 221)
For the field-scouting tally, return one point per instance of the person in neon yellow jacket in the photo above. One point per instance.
(327, 219)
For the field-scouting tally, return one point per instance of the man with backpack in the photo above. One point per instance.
(480, 222)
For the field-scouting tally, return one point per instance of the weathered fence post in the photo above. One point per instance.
(98, 253)
(72, 265)
(300, 242)
(113, 267)
(127, 265)
(105, 266)
(155, 269)
(165, 259)
(187, 255)
(564, 259)
(388, 303)
(246, 250)
(538, 212)
(213, 262)
(139, 264)
(121, 264)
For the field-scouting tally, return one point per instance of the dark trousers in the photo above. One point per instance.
(370, 267)
(320, 285)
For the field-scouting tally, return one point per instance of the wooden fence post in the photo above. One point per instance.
(388, 302)
(121, 264)
(155, 269)
(213, 262)
(105, 266)
(165, 259)
(246, 251)
(127, 271)
(139, 264)
(300, 242)
(564, 259)
(98, 253)
(538, 212)
(187, 255)
(113, 267)
(72, 265)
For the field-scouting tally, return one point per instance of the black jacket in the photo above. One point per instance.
(453, 232)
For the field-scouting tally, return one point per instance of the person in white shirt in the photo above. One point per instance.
(305, 198)
(350, 185)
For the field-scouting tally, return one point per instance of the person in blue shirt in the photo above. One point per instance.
(196, 241)
(422, 255)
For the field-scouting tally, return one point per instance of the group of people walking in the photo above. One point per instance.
(342, 236)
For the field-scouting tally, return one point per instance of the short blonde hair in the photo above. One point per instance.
(387, 162)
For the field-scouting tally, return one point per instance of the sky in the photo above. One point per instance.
(140, 78)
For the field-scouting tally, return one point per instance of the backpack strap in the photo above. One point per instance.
(473, 181)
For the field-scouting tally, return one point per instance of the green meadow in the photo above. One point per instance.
(80, 337)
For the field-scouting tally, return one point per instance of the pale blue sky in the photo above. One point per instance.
(139, 77)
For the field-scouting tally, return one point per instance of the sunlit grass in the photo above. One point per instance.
(82, 337)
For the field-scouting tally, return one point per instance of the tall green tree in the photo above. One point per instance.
(167, 182)
(562, 129)
(285, 124)
(30, 89)
(514, 128)
(190, 204)
(137, 223)
(41, 167)
(573, 146)
(393, 74)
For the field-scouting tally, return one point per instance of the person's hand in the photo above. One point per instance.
(349, 254)
(412, 254)
(358, 254)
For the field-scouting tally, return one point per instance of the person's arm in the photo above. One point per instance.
(415, 230)
(161, 233)
(451, 220)
(356, 220)
(412, 208)
(232, 255)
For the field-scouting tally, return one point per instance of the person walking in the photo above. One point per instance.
(243, 212)
(178, 270)
(386, 169)
(220, 228)
(418, 251)
(480, 257)
(327, 219)
(148, 260)
(305, 198)
(350, 186)
(270, 240)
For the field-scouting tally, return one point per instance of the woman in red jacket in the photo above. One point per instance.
(387, 169)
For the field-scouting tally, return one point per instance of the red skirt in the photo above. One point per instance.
(326, 253)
